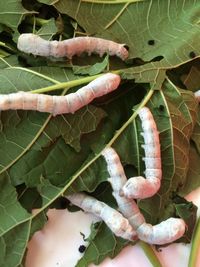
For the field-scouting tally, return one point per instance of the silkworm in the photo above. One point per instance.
(197, 95)
(33, 44)
(162, 233)
(114, 220)
(139, 187)
(61, 104)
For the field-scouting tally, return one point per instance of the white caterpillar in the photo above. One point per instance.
(31, 43)
(165, 232)
(139, 187)
(197, 95)
(114, 220)
(61, 104)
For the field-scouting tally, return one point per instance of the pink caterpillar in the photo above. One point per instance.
(31, 43)
(162, 233)
(139, 187)
(61, 104)
(197, 95)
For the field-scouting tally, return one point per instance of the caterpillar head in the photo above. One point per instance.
(33, 44)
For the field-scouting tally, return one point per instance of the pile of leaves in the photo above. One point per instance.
(44, 158)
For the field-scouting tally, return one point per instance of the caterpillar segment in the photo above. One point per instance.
(140, 187)
(118, 224)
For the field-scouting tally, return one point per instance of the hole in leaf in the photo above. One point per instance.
(151, 42)
(126, 46)
(64, 203)
(29, 198)
(161, 108)
(130, 170)
(192, 54)
(158, 58)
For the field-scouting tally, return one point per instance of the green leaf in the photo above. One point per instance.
(71, 127)
(18, 78)
(149, 73)
(12, 13)
(192, 80)
(93, 171)
(47, 2)
(151, 29)
(8, 61)
(32, 139)
(49, 148)
(193, 175)
(95, 252)
(11, 212)
(187, 211)
(175, 124)
(91, 70)
(48, 29)
(175, 115)
(196, 133)
(43, 158)
(14, 243)
(30, 125)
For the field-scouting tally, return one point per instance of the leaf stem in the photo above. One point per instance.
(142, 104)
(195, 245)
(37, 21)
(6, 46)
(69, 84)
(111, 1)
(37, 74)
(64, 85)
(149, 252)
(4, 61)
